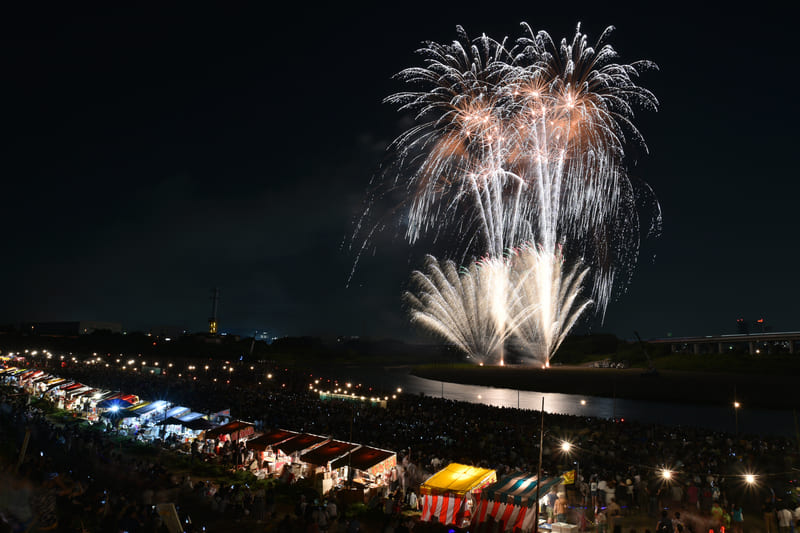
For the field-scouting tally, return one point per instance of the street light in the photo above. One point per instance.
(736, 406)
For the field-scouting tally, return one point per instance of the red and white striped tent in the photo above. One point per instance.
(448, 496)
(511, 501)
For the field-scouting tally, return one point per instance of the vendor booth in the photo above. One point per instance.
(450, 494)
(116, 402)
(318, 462)
(370, 466)
(270, 458)
(236, 430)
(295, 447)
(511, 502)
(184, 427)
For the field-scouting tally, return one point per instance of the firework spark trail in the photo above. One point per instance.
(523, 145)
(476, 309)
(551, 296)
(526, 295)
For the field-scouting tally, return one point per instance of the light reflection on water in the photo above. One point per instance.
(718, 418)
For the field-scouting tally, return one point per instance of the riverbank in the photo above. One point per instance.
(751, 390)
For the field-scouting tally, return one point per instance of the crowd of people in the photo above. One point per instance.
(619, 464)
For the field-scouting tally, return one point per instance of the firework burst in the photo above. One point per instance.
(516, 144)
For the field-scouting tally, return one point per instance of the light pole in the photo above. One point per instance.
(539, 473)
(736, 406)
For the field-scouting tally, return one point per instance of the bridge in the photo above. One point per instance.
(755, 342)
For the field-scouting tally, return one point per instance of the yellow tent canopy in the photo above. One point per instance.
(458, 479)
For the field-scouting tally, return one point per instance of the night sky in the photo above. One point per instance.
(148, 156)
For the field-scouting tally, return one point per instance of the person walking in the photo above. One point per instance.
(737, 517)
(768, 512)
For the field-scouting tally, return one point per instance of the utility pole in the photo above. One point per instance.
(539, 473)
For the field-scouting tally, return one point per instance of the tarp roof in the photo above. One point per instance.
(177, 411)
(270, 439)
(306, 441)
(61, 385)
(78, 391)
(189, 416)
(81, 392)
(330, 451)
(363, 458)
(149, 408)
(198, 424)
(229, 429)
(521, 488)
(131, 411)
(101, 394)
(457, 478)
(111, 402)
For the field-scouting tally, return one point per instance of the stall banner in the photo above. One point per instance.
(242, 433)
(510, 515)
(443, 507)
(568, 478)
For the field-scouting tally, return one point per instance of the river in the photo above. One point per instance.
(714, 417)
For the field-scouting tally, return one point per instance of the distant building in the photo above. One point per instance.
(69, 329)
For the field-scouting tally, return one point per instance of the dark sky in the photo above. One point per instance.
(148, 156)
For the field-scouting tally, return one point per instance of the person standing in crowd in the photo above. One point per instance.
(737, 517)
(602, 522)
(665, 524)
(677, 523)
(561, 508)
(717, 513)
(614, 517)
(768, 512)
(784, 519)
(551, 498)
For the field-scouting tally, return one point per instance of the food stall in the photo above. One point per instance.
(511, 501)
(369, 467)
(48, 385)
(270, 458)
(236, 430)
(143, 419)
(62, 394)
(449, 495)
(116, 402)
(293, 448)
(184, 424)
(317, 463)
